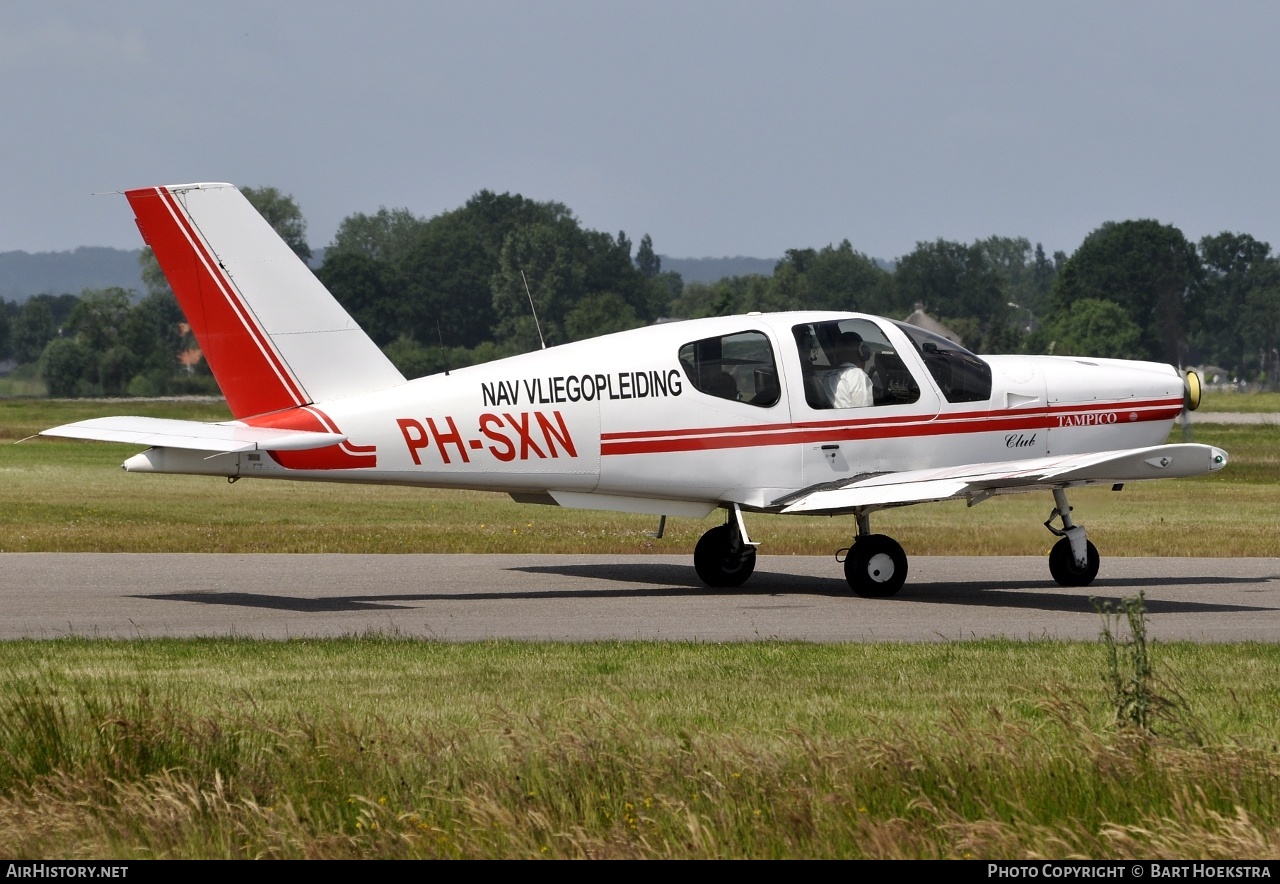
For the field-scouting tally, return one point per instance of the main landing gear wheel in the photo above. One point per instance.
(876, 566)
(1062, 564)
(722, 560)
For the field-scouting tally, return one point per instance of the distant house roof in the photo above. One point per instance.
(189, 358)
(928, 323)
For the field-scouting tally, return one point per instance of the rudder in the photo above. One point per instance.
(273, 335)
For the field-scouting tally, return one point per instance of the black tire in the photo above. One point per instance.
(716, 565)
(876, 566)
(1062, 564)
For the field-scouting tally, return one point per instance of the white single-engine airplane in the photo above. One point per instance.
(679, 418)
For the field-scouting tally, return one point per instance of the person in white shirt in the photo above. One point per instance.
(847, 385)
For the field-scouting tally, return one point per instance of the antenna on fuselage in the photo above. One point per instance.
(443, 357)
(536, 324)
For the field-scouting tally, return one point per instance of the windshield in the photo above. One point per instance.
(961, 376)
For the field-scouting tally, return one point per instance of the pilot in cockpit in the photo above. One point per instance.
(847, 385)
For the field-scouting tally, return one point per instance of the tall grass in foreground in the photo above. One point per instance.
(380, 747)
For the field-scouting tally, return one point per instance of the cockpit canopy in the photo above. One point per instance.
(743, 367)
(961, 376)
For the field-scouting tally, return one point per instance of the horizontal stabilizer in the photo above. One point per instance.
(193, 435)
(976, 481)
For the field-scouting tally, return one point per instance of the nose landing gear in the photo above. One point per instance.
(1074, 559)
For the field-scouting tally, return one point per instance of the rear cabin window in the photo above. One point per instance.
(961, 376)
(739, 367)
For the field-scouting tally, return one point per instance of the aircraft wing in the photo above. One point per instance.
(977, 481)
(193, 435)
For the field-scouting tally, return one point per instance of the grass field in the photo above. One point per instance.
(1251, 403)
(382, 747)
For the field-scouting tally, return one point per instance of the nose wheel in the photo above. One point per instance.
(1074, 560)
(1063, 567)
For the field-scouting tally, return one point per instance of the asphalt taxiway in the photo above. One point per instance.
(588, 598)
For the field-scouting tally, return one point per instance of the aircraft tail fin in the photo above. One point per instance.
(273, 336)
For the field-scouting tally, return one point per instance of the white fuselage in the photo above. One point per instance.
(627, 419)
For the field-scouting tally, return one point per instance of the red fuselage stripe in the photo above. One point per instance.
(332, 457)
(709, 438)
(1140, 405)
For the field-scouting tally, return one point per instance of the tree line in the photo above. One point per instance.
(465, 286)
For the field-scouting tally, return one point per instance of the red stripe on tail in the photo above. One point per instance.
(344, 456)
(250, 372)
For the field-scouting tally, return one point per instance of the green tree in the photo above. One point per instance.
(120, 348)
(367, 289)
(411, 358)
(1233, 265)
(282, 213)
(429, 279)
(1262, 319)
(954, 282)
(364, 266)
(599, 314)
(8, 312)
(1026, 277)
(34, 328)
(99, 317)
(540, 279)
(1094, 327)
(383, 236)
(154, 332)
(64, 366)
(456, 277)
(447, 271)
(562, 265)
(838, 278)
(732, 294)
(1043, 274)
(647, 261)
(1146, 268)
(664, 290)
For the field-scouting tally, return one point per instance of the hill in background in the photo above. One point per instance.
(716, 269)
(23, 274)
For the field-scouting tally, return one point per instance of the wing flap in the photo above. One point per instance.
(971, 480)
(193, 435)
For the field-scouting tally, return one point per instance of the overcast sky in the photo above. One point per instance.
(720, 129)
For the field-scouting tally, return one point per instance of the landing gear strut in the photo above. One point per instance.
(875, 566)
(725, 556)
(1074, 559)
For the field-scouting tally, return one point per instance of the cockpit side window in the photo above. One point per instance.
(740, 367)
(961, 376)
(820, 345)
